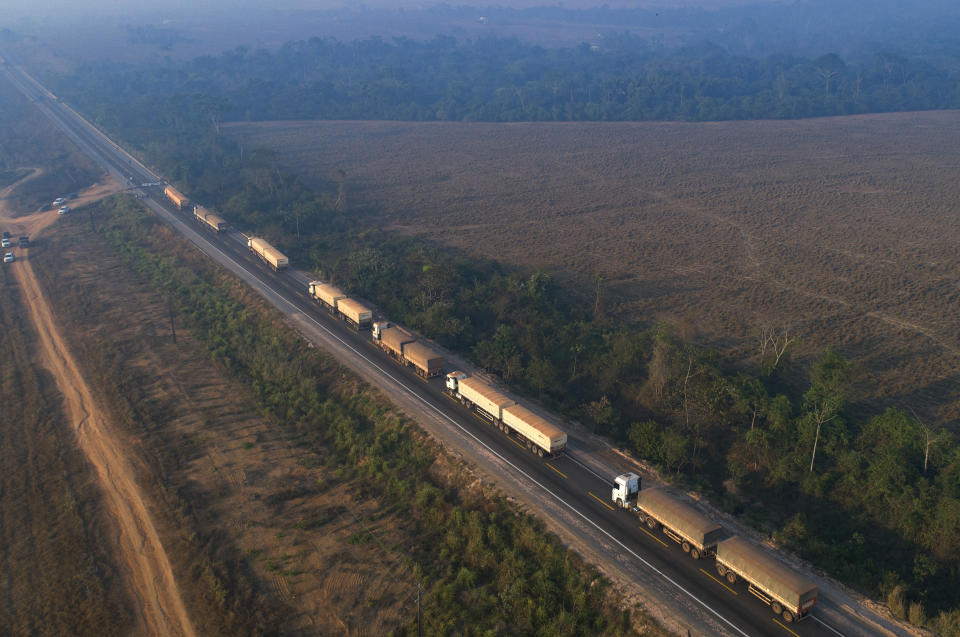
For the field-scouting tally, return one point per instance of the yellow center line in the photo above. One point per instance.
(653, 536)
(718, 581)
(555, 469)
(784, 627)
(601, 501)
(510, 438)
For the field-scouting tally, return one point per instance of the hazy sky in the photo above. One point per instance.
(63, 8)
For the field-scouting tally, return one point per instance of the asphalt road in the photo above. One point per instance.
(573, 493)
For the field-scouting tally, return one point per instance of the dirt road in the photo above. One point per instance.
(160, 607)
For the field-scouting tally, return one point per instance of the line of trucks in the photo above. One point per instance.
(788, 594)
(535, 432)
(200, 213)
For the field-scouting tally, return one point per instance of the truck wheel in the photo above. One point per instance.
(695, 554)
(539, 452)
(651, 523)
(619, 503)
(721, 569)
(731, 577)
(787, 616)
(776, 608)
(685, 546)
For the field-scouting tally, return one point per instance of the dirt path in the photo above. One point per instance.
(160, 608)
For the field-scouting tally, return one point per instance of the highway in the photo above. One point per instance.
(573, 488)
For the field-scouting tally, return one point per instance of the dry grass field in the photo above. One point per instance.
(843, 230)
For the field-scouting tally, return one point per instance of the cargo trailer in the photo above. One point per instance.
(180, 200)
(788, 593)
(273, 257)
(427, 361)
(696, 534)
(542, 436)
(355, 313)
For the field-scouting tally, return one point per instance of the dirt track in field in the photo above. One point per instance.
(159, 605)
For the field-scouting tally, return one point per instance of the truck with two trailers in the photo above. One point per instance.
(540, 436)
(789, 594)
(407, 349)
(355, 313)
(270, 255)
(210, 220)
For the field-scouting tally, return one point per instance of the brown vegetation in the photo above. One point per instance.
(841, 230)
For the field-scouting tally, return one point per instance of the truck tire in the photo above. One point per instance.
(695, 554)
(731, 577)
(776, 608)
(539, 452)
(685, 546)
(721, 570)
(619, 503)
(787, 616)
(651, 524)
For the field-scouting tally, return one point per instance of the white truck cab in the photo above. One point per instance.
(453, 381)
(378, 328)
(625, 490)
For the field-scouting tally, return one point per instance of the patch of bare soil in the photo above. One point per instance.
(31, 224)
(841, 229)
(160, 608)
(58, 575)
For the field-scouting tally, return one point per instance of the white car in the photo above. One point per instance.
(64, 209)
(59, 201)
(8, 257)
(6, 243)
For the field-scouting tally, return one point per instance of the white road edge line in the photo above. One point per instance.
(826, 625)
(413, 394)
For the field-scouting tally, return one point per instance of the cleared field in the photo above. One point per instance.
(841, 229)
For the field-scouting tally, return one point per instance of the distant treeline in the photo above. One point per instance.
(622, 78)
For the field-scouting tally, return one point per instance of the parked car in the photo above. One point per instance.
(64, 209)
(23, 242)
(59, 201)
(6, 235)
(6, 243)
(8, 257)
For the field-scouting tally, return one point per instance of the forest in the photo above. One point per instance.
(622, 78)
